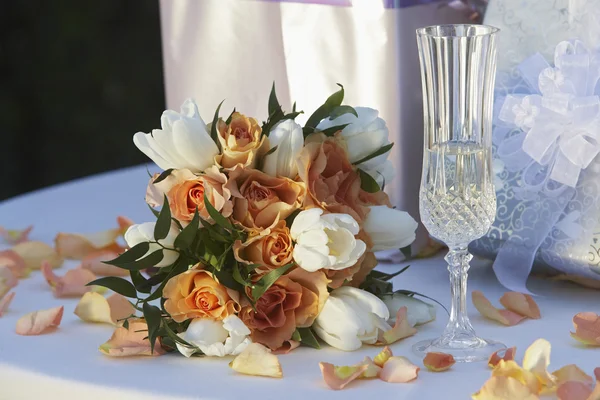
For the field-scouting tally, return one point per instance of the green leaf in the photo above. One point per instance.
(115, 284)
(341, 110)
(334, 129)
(126, 323)
(130, 255)
(367, 182)
(213, 128)
(186, 237)
(228, 121)
(411, 293)
(163, 175)
(156, 213)
(176, 338)
(146, 262)
(163, 223)
(237, 275)
(380, 151)
(217, 216)
(271, 151)
(274, 106)
(308, 338)
(290, 219)
(267, 280)
(153, 317)
(141, 284)
(226, 279)
(407, 252)
(335, 100)
(181, 265)
(296, 336)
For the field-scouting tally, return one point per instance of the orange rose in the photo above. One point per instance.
(241, 141)
(186, 191)
(261, 200)
(197, 294)
(294, 301)
(271, 249)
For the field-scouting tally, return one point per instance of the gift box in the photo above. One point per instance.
(546, 141)
(240, 47)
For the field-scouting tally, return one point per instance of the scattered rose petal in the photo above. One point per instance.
(33, 253)
(503, 354)
(15, 236)
(486, 309)
(574, 390)
(514, 370)
(78, 246)
(383, 356)
(504, 388)
(537, 360)
(287, 347)
(522, 304)
(401, 330)
(124, 224)
(372, 371)
(257, 360)
(8, 280)
(399, 370)
(73, 284)
(573, 373)
(38, 322)
(5, 302)
(338, 378)
(587, 328)
(132, 341)
(438, 362)
(94, 307)
(14, 262)
(95, 263)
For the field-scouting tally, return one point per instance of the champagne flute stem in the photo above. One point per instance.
(459, 327)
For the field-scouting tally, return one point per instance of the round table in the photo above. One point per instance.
(66, 363)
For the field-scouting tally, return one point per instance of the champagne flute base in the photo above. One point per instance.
(463, 350)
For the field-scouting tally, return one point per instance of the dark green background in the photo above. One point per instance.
(77, 80)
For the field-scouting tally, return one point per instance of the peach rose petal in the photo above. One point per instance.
(288, 346)
(372, 371)
(8, 280)
(124, 224)
(132, 341)
(78, 246)
(338, 378)
(38, 322)
(522, 304)
(5, 302)
(257, 360)
(401, 330)
(514, 370)
(383, 356)
(72, 284)
(503, 354)
(572, 373)
(94, 262)
(33, 253)
(94, 307)
(438, 362)
(14, 262)
(485, 308)
(399, 370)
(504, 388)
(15, 236)
(574, 390)
(537, 360)
(587, 328)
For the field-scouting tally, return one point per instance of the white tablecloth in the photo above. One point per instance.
(67, 365)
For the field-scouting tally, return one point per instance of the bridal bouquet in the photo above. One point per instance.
(266, 233)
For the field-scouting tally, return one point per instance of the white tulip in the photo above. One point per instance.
(350, 318)
(325, 241)
(183, 141)
(139, 233)
(288, 137)
(364, 135)
(389, 228)
(419, 312)
(216, 338)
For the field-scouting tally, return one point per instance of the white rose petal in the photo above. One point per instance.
(139, 233)
(419, 312)
(216, 338)
(389, 228)
(288, 137)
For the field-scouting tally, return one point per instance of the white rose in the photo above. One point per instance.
(139, 233)
(364, 136)
(350, 318)
(216, 338)
(418, 312)
(288, 137)
(389, 228)
(325, 241)
(183, 141)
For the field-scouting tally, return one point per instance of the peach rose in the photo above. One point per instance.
(186, 191)
(271, 249)
(332, 182)
(261, 200)
(242, 141)
(294, 301)
(197, 294)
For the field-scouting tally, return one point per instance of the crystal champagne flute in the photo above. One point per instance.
(457, 197)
